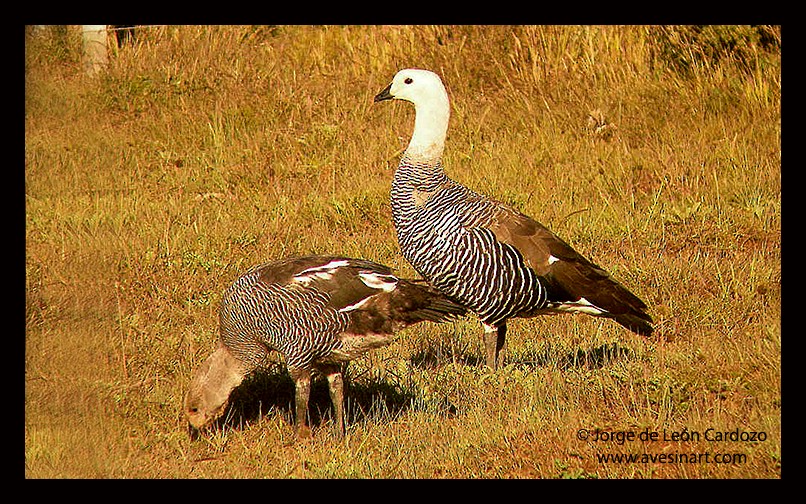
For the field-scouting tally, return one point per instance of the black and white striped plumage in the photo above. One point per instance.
(318, 312)
(494, 260)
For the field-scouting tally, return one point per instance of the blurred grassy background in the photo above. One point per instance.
(201, 151)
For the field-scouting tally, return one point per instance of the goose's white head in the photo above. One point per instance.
(425, 90)
(420, 87)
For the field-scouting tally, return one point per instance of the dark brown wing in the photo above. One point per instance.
(346, 281)
(375, 300)
(567, 275)
(283, 271)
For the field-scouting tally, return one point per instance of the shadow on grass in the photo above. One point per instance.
(366, 400)
(377, 400)
(432, 358)
(592, 358)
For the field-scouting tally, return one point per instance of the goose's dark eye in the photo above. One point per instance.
(408, 80)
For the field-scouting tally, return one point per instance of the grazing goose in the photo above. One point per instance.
(318, 312)
(488, 257)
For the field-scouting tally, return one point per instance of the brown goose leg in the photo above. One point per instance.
(495, 345)
(302, 385)
(335, 383)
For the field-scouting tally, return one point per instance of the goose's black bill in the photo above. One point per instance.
(384, 95)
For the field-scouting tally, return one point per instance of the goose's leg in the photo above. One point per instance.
(302, 385)
(495, 345)
(335, 383)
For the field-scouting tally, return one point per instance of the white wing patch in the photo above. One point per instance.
(323, 272)
(552, 259)
(580, 306)
(373, 280)
(386, 283)
(355, 306)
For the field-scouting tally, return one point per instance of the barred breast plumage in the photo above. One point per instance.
(490, 258)
(318, 312)
(446, 237)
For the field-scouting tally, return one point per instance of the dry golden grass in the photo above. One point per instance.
(202, 151)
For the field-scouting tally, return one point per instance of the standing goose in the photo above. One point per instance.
(319, 312)
(488, 257)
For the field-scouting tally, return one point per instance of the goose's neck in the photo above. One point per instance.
(430, 128)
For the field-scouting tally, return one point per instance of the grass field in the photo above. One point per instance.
(201, 151)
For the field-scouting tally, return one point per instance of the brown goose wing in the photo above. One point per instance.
(375, 300)
(348, 282)
(568, 276)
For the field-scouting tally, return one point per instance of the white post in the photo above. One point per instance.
(94, 44)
